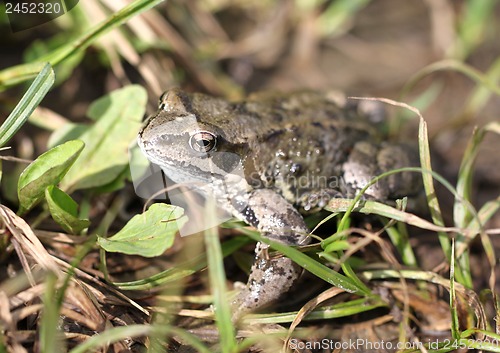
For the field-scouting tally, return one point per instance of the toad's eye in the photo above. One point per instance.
(203, 141)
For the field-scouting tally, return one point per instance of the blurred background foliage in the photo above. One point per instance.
(441, 56)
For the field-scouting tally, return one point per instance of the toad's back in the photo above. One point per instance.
(271, 157)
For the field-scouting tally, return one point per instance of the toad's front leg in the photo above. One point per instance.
(277, 220)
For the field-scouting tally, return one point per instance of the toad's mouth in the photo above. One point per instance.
(195, 171)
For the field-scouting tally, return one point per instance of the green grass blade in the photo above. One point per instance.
(125, 332)
(312, 265)
(467, 218)
(453, 65)
(455, 328)
(50, 337)
(373, 207)
(399, 237)
(472, 26)
(430, 192)
(461, 214)
(182, 270)
(344, 309)
(20, 73)
(31, 99)
(479, 98)
(338, 13)
(217, 278)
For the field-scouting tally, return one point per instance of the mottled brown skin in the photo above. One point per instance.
(294, 152)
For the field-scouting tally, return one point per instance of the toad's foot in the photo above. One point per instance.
(279, 221)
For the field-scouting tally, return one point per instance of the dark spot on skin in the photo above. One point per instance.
(277, 117)
(250, 217)
(273, 134)
(296, 168)
(280, 271)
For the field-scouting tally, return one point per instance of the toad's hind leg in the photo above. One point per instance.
(277, 220)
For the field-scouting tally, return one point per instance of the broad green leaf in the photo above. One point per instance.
(148, 234)
(67, 132)
(48, 169)
(118, 118)
(27, 104)
(64, 210)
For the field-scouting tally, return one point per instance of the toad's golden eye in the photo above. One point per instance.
(203, 141)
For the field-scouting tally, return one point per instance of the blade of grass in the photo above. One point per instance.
(16, 74)
(312, 265)
(430, 191)
(126, 332)
(374, 207)
(461, 214)
(217, 277)
(463, 217)
(182, 270)
(344, 309)
(50, 337)
(455, 328)
(31, 99)
(452, 65)
(480, 96)
(334, 18)
(399, 237)
(476, 19)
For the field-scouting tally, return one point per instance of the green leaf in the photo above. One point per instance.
(148, 234)
(67, 132)
(48, 169)
(64, 210)
(118, 118)
(337, 246)
(27, 104)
